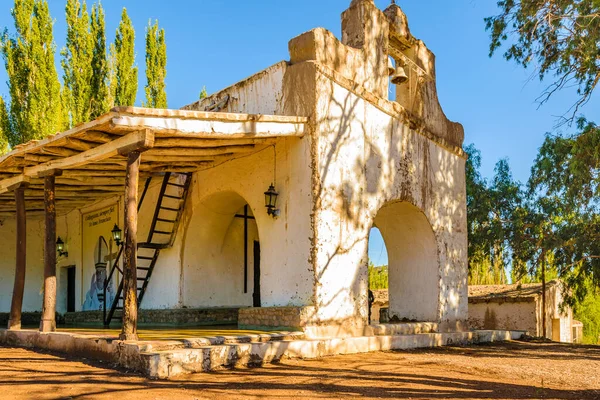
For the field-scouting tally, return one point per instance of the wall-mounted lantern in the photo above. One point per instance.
(271, 201)
(117, 235)
(60, 248)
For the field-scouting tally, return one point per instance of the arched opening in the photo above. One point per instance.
(378, 277)
(413, 265)
(222, 254)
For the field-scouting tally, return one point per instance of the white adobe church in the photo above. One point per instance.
(259, 198)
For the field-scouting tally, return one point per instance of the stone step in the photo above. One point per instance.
(404, 328)
(202, 342)
(170, 363)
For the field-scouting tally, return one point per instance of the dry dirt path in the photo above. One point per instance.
(505, 371)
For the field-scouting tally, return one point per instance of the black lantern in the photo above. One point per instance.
(271, 201)
(60, 247)
(116, 234)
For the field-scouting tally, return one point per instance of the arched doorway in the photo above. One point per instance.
(378, 277)
(221, 256)
(413, 265)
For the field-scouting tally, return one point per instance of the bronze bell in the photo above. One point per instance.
(391, 68)
(399, 76)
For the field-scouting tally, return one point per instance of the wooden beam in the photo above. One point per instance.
(9, 184)
(135, 140)
(130, 306)
(48, 322)
(97, 136)
(187, 152)
(185, 159)
(21, 261)
(208, 143)
(210, 127)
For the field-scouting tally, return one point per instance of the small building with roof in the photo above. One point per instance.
(520, 307)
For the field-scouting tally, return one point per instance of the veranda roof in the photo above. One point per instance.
(92, 158)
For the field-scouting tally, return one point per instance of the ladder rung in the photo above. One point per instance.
(163, 233)
(144, 268)
(173, 197)
(170, 209)
(145, 258)
(141, 279)
(176, 184)
(118, 308)
(171, 221)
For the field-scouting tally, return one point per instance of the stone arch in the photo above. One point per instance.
(213, 253)
(413, 262)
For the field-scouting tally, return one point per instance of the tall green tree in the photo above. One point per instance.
(156, 67)
(77, 64)
(4, 128)
(35, 106)
(123, 59)
(99, 101)
(490, 207)
(559, 36)
(565, 180)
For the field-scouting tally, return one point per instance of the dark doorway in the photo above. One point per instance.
(256, 294)
(71, 289)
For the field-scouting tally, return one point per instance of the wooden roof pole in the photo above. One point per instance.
(19, 285)
(48, 322)
(130, 301)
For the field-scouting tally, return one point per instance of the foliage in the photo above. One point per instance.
(77, 64)
(560, 36)
(588, 312)
(203, 93)
(100, 103)
(490, 208)
(378, 277)
(156, 67)
(35, 106)
(565, 178)
(125, 77)
(4, 127)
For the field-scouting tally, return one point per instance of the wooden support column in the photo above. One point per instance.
(19, 286)
(48, 322)
(130, 304)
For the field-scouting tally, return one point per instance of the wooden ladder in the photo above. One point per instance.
(163, 229)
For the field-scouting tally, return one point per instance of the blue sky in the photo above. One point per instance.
(217, 43)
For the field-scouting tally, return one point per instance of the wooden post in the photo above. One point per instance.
(48, 322)
(19, 286)
(130, 306)
(544, 294)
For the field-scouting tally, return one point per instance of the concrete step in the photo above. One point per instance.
(202, 342)
(170, 363)
(404, 328)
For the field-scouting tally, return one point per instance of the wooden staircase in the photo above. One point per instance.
(163, 229)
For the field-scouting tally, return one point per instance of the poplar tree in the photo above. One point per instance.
(4, 127)
(35, 107)
(123, 54)
(156, 67)
(77, 64)
(100, 97)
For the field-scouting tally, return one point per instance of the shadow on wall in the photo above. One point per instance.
(366, 165)
(214, 253)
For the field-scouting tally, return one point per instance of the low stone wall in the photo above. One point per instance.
(289, 318)
(28, 319)
(181, 316)
(168, 359)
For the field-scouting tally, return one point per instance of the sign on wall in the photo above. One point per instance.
(96, 237)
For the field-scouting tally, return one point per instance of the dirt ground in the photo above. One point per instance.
(502, 371)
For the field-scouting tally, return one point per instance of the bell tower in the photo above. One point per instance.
(365, 27)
